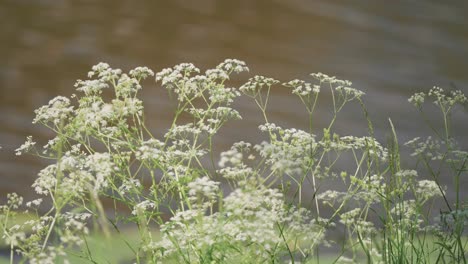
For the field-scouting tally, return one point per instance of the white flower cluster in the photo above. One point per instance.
(91, 87)
(179, 80)
(128, 185)
(180, 151)
(408, 175)
(46, 180)
(127, 107)
(38, 225)
(77, 221)
(233, 65)
(430, 148)
(332, 197)
(93, 114)
(371, 188)
(290, 150)
(232, 156)
(101, 116)
(185, 131)
(369, 144)
(150, 150)
(168, 76)
(14, 235)
(254, 215)
(445, 100)
(428, 189)
(241, 172)
(324, 78)
(254, 85)
(254, 221)
(341, 86)
(353, 219)
(28, 237)
(349, 93)
(406, 181)
(56, 111)
(222, 95)
(408, 214)
(143, 206)
(14, 201)
(203, 191)
(104, 72)
(34, 203)
(27, 146)
(102, 167)
(302, 88)
(79, 174)
(127, 86)
(211, 120)
(417, 99)
(232, 164)
(216, 74)
(141, 72)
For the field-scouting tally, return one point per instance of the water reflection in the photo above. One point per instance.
(389, 51)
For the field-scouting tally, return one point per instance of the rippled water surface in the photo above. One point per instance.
(389, 51)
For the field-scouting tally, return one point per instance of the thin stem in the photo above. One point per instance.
(51, 227)
(11, 253)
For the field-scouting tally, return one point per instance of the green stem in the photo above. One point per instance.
(51, 227)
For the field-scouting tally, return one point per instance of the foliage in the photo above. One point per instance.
(251, 204)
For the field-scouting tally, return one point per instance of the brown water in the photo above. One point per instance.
(389, 51)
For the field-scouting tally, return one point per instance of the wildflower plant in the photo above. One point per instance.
(253, 203)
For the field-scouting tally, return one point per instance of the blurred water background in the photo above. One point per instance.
(388, 50)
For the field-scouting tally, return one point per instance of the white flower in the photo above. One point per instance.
(427, 189)
(255, 84)
(417, 99)
(127, 107)
(91, 87)
(302, 88)
(223, 95)
(26, 146)
(447, 100)
(46, 180)
(236, 173)
(14, 200)
(216, 74)
(348, 91)
(101, 165)
(129, 184)
(141, 72)
(150, 149)
(407, 174)
(231, 156)
(330, 79)
(126, 86)
(203, 188)
(143, 206)
(162, 74)
(36, 202)
(289, 150)
(100, 67)
(56, 111)
(233, 65)
(186, 68)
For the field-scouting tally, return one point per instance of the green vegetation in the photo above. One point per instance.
(251, 203)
